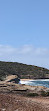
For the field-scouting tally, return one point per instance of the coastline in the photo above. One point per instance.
(35, 82)
(16, 97)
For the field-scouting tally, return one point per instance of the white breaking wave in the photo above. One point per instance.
(25, 82)
(29, 81)
(38, 82)
(41, 80)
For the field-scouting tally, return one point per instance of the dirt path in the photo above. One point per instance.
(13, 102)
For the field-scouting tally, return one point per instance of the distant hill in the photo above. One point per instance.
(22, 70)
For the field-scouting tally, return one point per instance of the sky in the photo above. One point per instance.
(24, 31)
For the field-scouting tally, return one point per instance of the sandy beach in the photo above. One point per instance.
(26, 79)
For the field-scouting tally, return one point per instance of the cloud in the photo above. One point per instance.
(26, 54)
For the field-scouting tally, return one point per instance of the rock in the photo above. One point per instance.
(15, 80)
(12, 78)
(3, 109)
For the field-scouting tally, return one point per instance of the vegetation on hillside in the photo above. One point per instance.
(22, 70)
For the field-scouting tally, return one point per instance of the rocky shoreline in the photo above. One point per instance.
(21, 97)
(22, 89)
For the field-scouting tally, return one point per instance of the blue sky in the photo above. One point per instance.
(24, 31)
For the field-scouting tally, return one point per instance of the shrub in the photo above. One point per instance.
(43, 93)
(32, 94)
(47, 93)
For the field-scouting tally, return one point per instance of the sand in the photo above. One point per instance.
(26, 79)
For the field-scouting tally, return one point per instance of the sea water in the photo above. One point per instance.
(38, 82)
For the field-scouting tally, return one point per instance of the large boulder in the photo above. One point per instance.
(12, 78)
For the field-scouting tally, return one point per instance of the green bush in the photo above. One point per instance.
(43, 93)
(32, 94)
(47, 93)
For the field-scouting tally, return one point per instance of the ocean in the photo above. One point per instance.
(38, 82)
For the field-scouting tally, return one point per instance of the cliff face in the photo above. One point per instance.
(22, 71)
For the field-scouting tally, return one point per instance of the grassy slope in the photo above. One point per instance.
(22, 70)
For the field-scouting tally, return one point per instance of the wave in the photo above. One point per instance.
(38, 82)
(25, 82)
